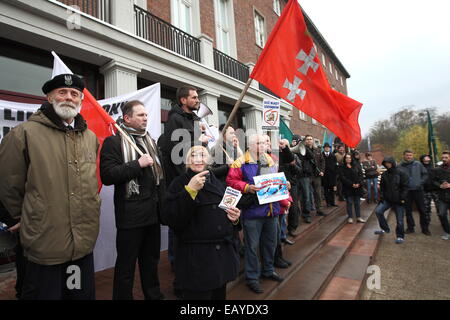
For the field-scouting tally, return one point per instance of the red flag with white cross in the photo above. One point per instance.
(289, 67)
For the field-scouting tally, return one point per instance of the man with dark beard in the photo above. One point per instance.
(138, 182)
(48, 172)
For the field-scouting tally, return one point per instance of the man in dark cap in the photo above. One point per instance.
(48, 170)
(330, 175)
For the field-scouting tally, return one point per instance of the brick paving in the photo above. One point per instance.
(418, 269)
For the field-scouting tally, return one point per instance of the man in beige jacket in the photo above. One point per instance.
(48, 180)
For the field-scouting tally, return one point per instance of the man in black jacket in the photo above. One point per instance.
(306, 157)
(330, 174)
(138, 182)
(429, 191)
(293, 172)
(181, 131)
(394, 192)
(441, 181)
(417, 176)
(318, 166)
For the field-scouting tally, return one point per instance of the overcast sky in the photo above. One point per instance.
(396, 51)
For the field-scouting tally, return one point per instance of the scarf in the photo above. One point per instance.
(145, 142)
(264, 164)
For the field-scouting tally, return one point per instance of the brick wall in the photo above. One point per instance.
(332, 77)
(247, 50)
(207, 19)
(302, 127)
(160, 8)
(86, 6)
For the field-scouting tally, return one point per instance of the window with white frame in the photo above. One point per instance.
(182, 14)
(223, 26)
(314, 121)
(301, 115)
(324, 61)
(342, 81)
(337, 74)
(331, 68)
(277, 7)
(260, 30)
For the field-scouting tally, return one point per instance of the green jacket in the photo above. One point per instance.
(48, 180)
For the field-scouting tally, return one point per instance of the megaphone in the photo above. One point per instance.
(203, 111)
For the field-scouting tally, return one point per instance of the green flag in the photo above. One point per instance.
(431, 140)
(285, 132)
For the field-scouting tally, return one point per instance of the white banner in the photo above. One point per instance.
(13, 113)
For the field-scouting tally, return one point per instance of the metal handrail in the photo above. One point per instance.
(99, 8)
(154, 29)
(230, 66)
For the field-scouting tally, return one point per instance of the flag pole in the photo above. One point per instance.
(433, 156)
(124, 135)
(236, 106)
(431, 142)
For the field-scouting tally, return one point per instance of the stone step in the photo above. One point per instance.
(306, 245)
(312, 277)
(350, 276)
(303, 230)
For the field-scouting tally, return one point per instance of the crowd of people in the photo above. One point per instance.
(49, 196)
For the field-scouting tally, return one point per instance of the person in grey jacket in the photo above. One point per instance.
(417, 175)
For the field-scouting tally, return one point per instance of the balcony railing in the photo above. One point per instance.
(226, 64)
(166, 35)
(96, 8)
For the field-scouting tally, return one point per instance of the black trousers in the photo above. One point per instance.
(21, 263)
(339, 189)
(216, 294)
(73, 280)
(141, 245)
(418, 197)
(294, 210)
(329, 194)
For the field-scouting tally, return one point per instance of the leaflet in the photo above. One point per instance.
(230, 198)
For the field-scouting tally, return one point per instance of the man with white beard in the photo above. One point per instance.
(48, 181)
